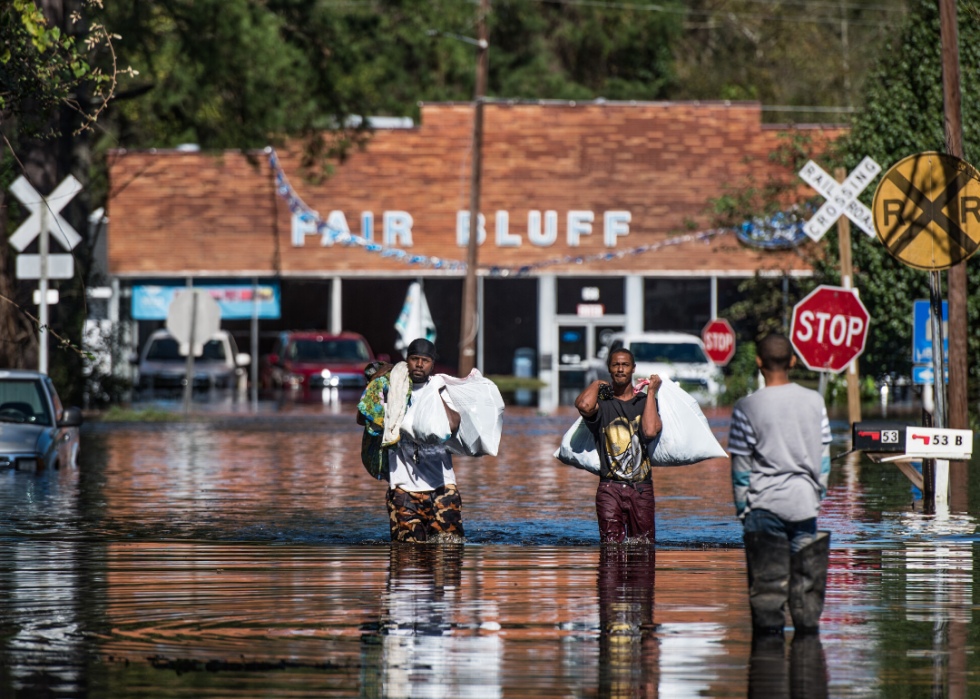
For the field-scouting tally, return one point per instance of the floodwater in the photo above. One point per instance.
(247, 556)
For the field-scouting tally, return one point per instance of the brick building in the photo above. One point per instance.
(559, 179)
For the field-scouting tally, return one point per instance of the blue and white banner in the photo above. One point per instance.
(235, 300)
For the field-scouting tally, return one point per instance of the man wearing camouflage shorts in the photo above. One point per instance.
(423, 500)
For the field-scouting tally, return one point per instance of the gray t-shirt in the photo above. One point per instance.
(782, 430)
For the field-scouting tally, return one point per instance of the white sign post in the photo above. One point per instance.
(193, 318)
(45, 218)
(841, 197)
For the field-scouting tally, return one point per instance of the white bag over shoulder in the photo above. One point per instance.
(578, 449)
(425, 421)
(481, 412)
(686, 437)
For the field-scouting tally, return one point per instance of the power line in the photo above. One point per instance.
(710, 13)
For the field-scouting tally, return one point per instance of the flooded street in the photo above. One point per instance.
(247, 556)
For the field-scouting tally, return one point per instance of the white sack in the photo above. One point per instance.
(425, 421)
(481, 412)
(578, 448)
(686, 437)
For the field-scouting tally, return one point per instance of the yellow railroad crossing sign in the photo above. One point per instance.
(927, 210)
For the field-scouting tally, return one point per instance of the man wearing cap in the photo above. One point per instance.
(423, 500)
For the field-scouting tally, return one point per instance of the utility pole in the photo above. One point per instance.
(469, 324)
(956, 281)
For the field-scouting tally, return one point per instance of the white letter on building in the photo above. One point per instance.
(550, 234)
(506, 239)
(398, 228)
(367, 225)
(579, 224)
(302, 227)
(615, 223)
(336, 223)
(463, 229)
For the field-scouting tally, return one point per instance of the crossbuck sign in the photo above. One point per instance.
(45, 216)
(841, 197)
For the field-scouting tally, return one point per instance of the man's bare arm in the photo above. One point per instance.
(453, 416)
(650, 422)
(588, 400)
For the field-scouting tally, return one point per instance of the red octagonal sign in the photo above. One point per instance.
(719, 341)
(829, 328)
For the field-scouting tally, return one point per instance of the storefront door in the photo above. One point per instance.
(580, 344)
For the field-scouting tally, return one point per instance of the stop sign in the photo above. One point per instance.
(719, 341)
(829, 328)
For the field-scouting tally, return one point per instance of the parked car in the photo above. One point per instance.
(678, 356)
(162, 367)
(312, 360)
(36, 431)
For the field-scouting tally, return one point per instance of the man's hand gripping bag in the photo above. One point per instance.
(686, 437)
(425, 421)
(481, 413)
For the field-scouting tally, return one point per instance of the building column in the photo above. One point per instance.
(336, 306)
(547, 342)
(634, 304)
(714, 297)
(480, 335)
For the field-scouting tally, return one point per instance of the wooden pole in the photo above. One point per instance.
(469, 324)
(956, 285)
(847, 281)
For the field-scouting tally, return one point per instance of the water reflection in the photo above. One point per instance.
(803, 677)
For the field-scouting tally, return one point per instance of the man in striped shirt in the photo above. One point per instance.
(780, 446)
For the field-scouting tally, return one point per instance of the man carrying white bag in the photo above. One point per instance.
(424, 419)
(603, 439)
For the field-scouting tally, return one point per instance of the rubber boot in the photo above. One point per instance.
(807, 668)
(767, 558)
(808, 582)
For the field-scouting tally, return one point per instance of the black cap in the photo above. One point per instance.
(422, 348)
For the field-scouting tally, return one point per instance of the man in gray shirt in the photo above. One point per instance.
(780, 446)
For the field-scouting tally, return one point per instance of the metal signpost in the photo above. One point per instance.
(719, 341)
(841, 207)
(45, 218)
(193, 318)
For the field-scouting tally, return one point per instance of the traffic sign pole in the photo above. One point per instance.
(189, 369)
(847, 277)
(936, 320)
(42, 314)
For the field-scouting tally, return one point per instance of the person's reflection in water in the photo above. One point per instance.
(425, 651)
(768, 676)
(628, 650)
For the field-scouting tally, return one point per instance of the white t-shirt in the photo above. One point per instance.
(421, 468)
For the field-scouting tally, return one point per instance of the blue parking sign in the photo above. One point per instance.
(922, 333)
(925, 375)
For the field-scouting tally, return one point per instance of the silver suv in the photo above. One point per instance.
(162, 368)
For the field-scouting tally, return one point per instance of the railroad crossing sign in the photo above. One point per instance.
(829, 328)
(841, 197)
(45, 214)
(927, 210)
(719, 341)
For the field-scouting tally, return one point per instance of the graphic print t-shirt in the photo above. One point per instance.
(620, 441)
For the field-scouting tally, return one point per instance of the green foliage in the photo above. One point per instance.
(740, 374)
(42, 67)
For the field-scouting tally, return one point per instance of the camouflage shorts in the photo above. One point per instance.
(416, 517)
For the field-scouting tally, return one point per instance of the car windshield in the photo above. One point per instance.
(165, 349)
(22, 400)
(326, 350)
(668, 352)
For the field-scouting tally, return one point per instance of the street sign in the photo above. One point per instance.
(927, 211)
(922, 332)
(926, 376)
(53, 297)
(207, 319)
(45, 213)
(719, 341)
(829, 328)
(59, 266)
(841, 197)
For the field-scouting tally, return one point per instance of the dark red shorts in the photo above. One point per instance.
(625, 510)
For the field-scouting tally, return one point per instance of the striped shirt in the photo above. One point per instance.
(779, 441)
